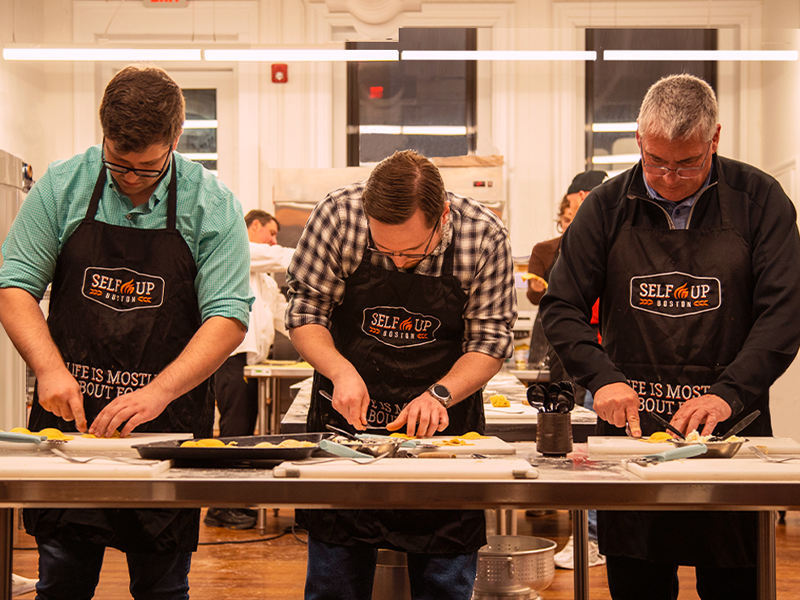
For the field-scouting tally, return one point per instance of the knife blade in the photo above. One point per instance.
(738, 427)
(668, 425)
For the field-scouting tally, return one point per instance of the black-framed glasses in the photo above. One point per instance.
(409, 255)
(683, 173)
(149, 173)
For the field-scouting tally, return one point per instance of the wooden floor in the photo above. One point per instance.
(241, 564)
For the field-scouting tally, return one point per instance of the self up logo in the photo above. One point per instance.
(675, 294)
(123, 289)
(395, 326)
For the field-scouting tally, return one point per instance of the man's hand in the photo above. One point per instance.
(423, 417)
(138, 407)
(60, 394)
(708, 409)
(351, 400)
(618, 404)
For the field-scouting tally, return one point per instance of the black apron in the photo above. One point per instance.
(403, 332)
(676, 309)
(123, 306)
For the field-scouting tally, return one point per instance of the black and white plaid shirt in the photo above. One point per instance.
(337, 233)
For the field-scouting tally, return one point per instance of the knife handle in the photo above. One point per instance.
(341, 450)
(11, 436)
(676, 453)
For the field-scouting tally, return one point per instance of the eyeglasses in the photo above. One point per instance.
(683, 173)
(409, 255)
(149, 173)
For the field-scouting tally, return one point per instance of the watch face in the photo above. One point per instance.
(441, 391)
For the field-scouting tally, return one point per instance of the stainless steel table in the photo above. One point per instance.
(573, 484)
(269, 390)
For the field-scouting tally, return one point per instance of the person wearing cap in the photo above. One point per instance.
(696, 261)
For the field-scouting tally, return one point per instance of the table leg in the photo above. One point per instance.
(263, 408)
(765, 574)
(580, 553)
(6, 551)
(275, 414)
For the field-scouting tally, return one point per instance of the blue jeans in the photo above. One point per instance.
(71, 570)
(347, 573)
(588, 402)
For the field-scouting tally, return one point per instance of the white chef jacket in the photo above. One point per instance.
(267, 312)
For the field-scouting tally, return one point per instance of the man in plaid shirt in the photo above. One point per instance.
(402, 298)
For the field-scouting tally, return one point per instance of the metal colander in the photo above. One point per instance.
(511, 564)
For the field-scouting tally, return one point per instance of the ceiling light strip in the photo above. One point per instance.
(102, 54)
(200, 124)
(511, 55)
(299, 55)
(615, 159)
(712, 55)
(613, 127)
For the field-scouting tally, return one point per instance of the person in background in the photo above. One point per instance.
(147, 255)
(543, 257)
(237, 398)
(696, 260)
(401, 296)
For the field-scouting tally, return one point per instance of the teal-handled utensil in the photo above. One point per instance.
(674, 454)
(341, 450)
(24, 438)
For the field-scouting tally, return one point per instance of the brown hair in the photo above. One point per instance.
(262, 217)
(142, 106)
(562, 208)
(402, 183)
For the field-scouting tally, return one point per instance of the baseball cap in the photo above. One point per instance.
(586, 182)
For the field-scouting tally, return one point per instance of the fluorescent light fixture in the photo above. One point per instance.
(200, 124)
(102, 54)
(613, 159)
(614, 127)
(299, 55)
(732, 55)
(515, 55)
(412, 130)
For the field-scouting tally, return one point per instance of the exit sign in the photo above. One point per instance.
(157, 3)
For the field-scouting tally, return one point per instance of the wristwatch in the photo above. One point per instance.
(441, 393)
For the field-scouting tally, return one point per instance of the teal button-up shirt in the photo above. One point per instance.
(209, 218)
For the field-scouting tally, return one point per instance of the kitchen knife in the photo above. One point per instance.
(668, 425)
(341, 450)
(737, 428)
(9, 436)
(684, 452)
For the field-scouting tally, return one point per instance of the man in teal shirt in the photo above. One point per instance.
(148, 258)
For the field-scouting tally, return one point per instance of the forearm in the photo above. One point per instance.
(469, 374)
(25, 325)
(206, 351)
(315, 344)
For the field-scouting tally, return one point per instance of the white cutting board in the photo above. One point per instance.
(718, 469)
(408, 468)
(38, 467)
(83, 445)
(603, 447)
(487, 445)
(515, 412)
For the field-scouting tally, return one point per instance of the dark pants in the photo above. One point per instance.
(71, 570)
(634, 579)
(347, 572)
(237, 399)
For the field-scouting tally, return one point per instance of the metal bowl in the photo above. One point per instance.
(715, 449)
(515, 563)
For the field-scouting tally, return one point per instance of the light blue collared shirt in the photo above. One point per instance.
(678, 211)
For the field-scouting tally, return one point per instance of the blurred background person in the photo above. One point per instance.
(237, 397)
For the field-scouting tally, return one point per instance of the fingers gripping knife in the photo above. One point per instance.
(685, 452)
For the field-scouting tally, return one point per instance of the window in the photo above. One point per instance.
(614, 89)
(199, 139)
(428, 106)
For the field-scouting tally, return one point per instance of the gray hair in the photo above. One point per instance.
(679, 107)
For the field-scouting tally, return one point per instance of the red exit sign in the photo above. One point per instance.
(157, 3)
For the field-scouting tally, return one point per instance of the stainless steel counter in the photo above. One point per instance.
(575, 483)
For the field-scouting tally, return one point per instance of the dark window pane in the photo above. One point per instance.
(198, 140)
(200, 104)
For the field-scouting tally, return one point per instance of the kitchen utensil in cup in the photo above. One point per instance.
(554, 433)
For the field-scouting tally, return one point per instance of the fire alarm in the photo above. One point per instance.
(280, 73)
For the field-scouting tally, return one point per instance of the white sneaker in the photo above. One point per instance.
(564, 558)
(21, 585)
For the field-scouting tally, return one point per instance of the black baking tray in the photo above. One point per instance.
(243, 454)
